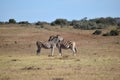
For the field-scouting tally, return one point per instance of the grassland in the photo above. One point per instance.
(98, 57)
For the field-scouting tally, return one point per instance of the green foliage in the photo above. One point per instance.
(61, 22)
(112, 33)
(41, 23)
(84, 24)
(108, 21)
(118, 22)
(12, 21)
(101, 26)
(2, 22)
(24, 22)
(98, 23)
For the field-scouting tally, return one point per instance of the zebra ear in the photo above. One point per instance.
(50, 38)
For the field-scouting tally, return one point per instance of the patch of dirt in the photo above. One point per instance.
(31, 68)
(15, 60)
(49, 68)
(57, 78)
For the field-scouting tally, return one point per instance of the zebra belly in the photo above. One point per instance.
(46, 46)
(65, 47)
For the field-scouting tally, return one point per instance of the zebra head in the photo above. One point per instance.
(55, 38)
(51, 38)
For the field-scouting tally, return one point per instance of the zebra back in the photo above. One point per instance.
(66, 44)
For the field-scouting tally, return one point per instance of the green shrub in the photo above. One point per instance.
(114, 32)
(12, 21)
(61, 22)
(1, 22)
(24, 22)
(41, 23)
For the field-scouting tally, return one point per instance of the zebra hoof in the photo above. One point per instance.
(50, 56)
(60, 54)
(37, 55)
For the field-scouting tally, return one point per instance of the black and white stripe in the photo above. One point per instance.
(50, 44)
(67, 45)
(46, 45)
(62, 44)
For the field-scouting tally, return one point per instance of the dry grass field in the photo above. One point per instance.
(98, 57)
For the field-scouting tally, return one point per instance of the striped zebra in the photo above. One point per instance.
(62, 44)
(50, 44)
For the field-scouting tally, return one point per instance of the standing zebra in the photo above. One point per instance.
(62, 44)
(50, 44)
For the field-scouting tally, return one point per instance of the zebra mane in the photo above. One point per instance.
(55, 38)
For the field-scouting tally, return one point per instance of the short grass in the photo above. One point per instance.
(98, 57)
(57, 67)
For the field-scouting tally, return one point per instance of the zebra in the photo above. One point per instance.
(62, 44)
(55, 37)
(50, 44)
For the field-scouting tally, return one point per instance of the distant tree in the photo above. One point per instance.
(118, 21)
(12, 21)
(112, 33)
(75, 22)
(23, 22)
(84, 24)
(101, 26)
(41, 23)
(85, 18)
(61, 22)
(2, 22)
(107, 21)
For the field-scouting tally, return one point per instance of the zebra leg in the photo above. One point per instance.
(38, 44)
(74, 49)
(60, 51)
(52, 51)
(38, 50)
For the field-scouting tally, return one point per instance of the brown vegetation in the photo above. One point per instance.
(98, 57)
